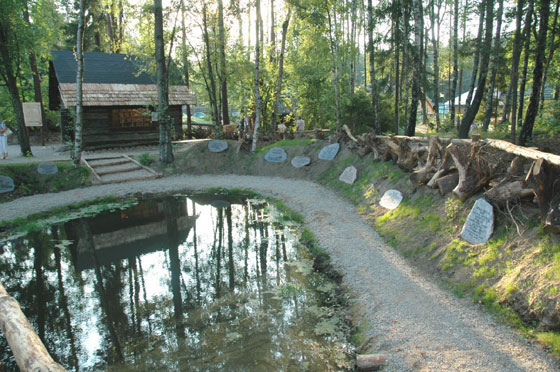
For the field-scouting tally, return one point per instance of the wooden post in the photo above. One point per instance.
(29, 351)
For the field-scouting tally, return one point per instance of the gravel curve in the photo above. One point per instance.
(420, 326)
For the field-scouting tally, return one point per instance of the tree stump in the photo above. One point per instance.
(473, 170)
(545, 182)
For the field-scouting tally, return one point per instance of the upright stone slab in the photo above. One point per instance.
(301, 161)
(391, 199)
(6, 184)
(47, 168)
(329, 152)
(480, 223)
(217, 146)
(276, 155)
(349, 175)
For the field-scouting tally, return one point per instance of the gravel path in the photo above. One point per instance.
(420, 326)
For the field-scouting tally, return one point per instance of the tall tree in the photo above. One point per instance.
(223, 69)
(527, 130)
(495, 63)
(396, 42)
(77, 157)
(455, 72)
(165, 149)
(211, 82)
(186, 64)
(280, 71)
(511, 97)
(12, 41)
(551, 49)
(472, 110)
(333, 38)
(418, 68)
(527, 46)
(476, 58)
(258, 111)
(374, 100)
(435, 21)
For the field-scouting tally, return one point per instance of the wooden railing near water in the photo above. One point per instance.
(27, 348)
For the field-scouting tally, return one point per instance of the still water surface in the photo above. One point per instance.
(198, 283)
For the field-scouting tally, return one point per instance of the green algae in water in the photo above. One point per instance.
(184, 284)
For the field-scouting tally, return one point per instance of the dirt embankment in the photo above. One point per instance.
(515, 275)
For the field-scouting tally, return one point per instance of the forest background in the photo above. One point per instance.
(380, 66)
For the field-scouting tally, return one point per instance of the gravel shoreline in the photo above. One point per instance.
(417, 324)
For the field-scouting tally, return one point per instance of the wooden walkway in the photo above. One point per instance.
(119, 168)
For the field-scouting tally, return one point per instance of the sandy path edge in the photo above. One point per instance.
(419, 325)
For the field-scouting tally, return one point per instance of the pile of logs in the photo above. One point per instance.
(504, 172)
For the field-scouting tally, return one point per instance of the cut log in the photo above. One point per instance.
(349, 133)
(27, 348)
(516, 168)
(545, 182)
(525, 152)
(505, 191)
(371, 362)
(447, 183)
(424, 174)
(445, 167)
(473, 170)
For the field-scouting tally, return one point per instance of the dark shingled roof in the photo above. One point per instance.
(100, 68)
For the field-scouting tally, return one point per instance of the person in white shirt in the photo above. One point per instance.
(3, 140)
(282, 129)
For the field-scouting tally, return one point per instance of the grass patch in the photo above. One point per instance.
(288, 214)
(551, 340)
(28, 182)
(288, 143)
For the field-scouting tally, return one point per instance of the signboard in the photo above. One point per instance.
(32, 114)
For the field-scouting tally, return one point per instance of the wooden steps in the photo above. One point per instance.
(117, 169)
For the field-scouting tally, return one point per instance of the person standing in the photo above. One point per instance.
(4, 140)
(300, 125)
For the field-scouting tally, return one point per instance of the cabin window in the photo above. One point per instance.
(131, 119)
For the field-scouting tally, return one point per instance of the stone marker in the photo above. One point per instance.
(301, 161)
(47, 168)
(480, 223)
(391, 199)
(6, 184)
(329, 152)
(276, 155)
(349, 175)
(220, 204)
(217, 145)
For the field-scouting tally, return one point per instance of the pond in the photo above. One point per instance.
(185, 283)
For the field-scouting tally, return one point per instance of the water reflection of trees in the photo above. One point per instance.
(220, 300)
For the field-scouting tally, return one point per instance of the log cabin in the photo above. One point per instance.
(118, 99)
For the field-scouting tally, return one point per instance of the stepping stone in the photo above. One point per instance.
(301, 161)
(329, 152)
(47, 168)
(217, 145)
(6, 184)
(391, 199)
(349, 175)
(480, 223)
(276, 155)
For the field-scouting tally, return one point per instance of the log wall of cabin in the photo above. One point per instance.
(99, 132)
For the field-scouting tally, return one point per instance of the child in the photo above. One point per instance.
(3, 140)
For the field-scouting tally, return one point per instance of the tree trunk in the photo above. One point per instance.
(465, 11)
(551, 50)
(372, 66)
(258, 25)
(223, 69)
(280, 71)
(472, 110)
(334, 61)
(527, 130)
(495, 62)
(417, 68)
(476, 56)
(435, 44)
(272, 33)
(77, 157)
(186, 66)
(514, 75)
(165, 149)
(527, 40)
(212, 94)
(455, 60)
(396, 44)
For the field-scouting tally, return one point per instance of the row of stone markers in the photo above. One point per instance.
(477, 229)
(7, 183)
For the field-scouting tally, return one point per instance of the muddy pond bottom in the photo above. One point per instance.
(204, 282)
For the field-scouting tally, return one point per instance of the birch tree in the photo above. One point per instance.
(79, 80)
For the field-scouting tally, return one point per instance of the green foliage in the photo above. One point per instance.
(452, 208)
(146, 159)
(551, 340)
